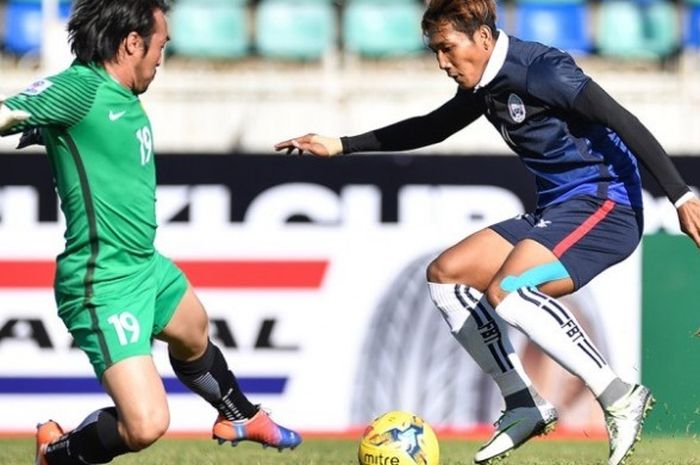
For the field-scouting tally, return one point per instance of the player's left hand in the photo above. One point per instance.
(689, 217)
(9, 118)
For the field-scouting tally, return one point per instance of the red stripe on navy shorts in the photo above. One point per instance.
(584, 228)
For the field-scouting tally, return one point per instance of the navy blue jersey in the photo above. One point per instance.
(568, 131)
(530, 102)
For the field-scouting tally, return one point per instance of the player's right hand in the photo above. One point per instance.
(9, 118)
(689, 218)
(314, 144)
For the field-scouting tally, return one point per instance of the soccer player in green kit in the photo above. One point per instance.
(113, 290)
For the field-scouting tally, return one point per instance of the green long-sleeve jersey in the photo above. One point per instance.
(99, 141)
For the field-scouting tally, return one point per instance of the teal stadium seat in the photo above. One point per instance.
(383, 28)
(294, 29)
(662, 27)
(210, 28)
(628, 29)
(23, 25)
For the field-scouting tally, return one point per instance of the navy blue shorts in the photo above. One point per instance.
(586, 234)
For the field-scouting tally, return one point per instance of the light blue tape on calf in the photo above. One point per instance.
(535, 276)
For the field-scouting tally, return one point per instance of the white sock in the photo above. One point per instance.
(552, 326)
(479, 329)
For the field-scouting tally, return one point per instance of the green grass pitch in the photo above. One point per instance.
(171, 451)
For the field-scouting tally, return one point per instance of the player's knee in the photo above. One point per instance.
(140, 438)
(196, 345)
(142, 433)
(442, 270)
(200, 330)
(193, 345)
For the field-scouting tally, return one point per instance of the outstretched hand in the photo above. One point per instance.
(315, 144)
(689, 217)
(9, 118)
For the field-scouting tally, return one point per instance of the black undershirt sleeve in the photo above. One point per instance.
(594, 104)
(419, 131)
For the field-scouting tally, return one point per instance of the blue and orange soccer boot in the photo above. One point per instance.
(259, 429)
(46, 433)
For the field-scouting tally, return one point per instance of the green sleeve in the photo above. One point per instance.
(58, 101)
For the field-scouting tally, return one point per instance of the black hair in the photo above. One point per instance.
(97, 27)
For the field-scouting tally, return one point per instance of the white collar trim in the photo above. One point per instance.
(496, 61)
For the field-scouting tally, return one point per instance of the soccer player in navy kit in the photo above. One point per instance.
(583, 149)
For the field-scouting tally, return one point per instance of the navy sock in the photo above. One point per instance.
(524, 398)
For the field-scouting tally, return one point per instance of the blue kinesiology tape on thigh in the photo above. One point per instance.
(535, 276)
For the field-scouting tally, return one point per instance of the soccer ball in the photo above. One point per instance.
(399, 438)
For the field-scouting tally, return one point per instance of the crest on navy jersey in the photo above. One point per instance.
(516, 108)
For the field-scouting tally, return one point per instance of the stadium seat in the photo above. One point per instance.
(561, 24)
(661, 26)
(502, 17)
(628, 29)
(294, 29)
(380, 28)
(23, 25)
(209, 28)
(620, 29)
(692, 25)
